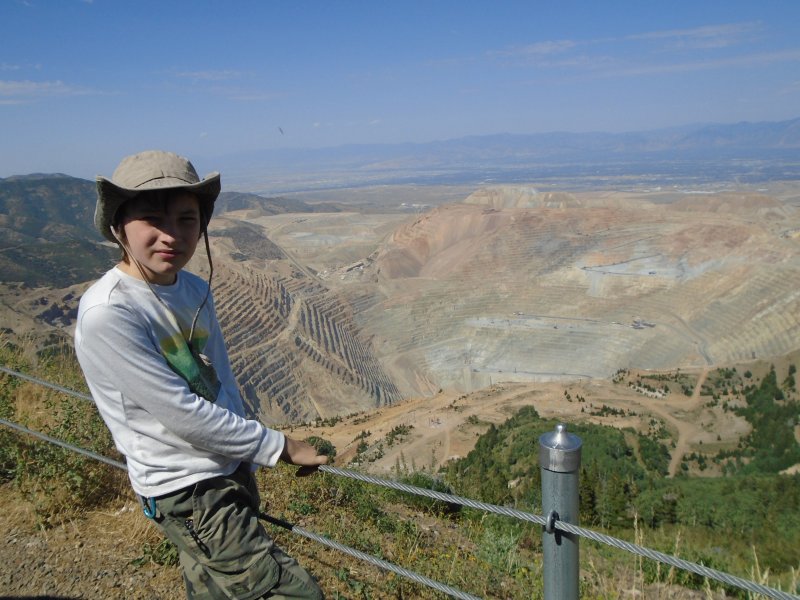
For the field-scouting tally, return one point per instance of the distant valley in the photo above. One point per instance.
(716, 155)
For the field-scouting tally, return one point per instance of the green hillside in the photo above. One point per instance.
(48, 236)
(753, 509)
(47, 231)
(51, 208)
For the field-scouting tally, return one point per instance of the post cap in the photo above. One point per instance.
(560, 450)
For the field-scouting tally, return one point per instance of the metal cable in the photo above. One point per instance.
(52, 386)
(574, 529)
(446, 589)
(57, 442)
(677, 562)
(396, 485)
(492, 508)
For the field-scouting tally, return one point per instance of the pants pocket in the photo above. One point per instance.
(216, 525)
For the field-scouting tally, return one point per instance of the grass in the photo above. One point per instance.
(483, 554)
(53, 479)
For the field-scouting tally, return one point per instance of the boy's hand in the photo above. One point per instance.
(303, 455)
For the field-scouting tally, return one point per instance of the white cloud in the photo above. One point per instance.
(537, 50)
(16, 67)
(708, 36)
(619, 59)
(20, 91)
(791, 88)
(563, 53)
(247, 96)
(209, 75)
(743, 61)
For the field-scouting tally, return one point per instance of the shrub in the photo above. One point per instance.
(322, 446)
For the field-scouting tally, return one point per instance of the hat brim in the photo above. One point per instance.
(111, 196)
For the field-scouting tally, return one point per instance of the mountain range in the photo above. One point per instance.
(715, 150)
(48, 236)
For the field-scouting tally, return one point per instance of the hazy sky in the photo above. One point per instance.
(84, 83)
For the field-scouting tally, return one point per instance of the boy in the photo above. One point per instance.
(152, 352)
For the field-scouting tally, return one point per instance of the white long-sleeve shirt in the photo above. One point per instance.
(170, 436)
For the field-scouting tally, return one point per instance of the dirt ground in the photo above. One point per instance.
(447, 425)
(80, 558)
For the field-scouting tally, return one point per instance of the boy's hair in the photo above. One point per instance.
(153, 170)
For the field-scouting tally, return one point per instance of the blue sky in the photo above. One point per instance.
(84, 83)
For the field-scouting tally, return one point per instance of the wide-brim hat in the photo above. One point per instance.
(148, 171)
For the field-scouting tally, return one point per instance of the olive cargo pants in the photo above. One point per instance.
(224, 550)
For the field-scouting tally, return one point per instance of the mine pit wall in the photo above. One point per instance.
(450, 347)
(556, 296)
(295, 350)
(445, 345)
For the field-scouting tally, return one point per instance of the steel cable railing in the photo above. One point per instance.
(371, 559)
(431, 583)
(416, 577)
(570, 528)
(449, 498)
(65, 445)
(47, 384)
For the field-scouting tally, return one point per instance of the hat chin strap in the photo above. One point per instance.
(139, 267)
(208, 283)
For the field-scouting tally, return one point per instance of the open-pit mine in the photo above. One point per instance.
(334, 313)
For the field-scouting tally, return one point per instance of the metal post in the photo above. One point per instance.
(559, 462)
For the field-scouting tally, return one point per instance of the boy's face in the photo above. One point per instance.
(160, 235)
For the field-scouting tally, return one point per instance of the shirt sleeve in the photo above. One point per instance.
(116, 346)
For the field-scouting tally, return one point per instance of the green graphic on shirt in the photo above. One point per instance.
(191, 364)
